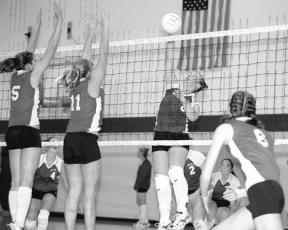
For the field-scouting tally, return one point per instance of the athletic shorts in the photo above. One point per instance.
(142, 190)
(265, 198)
(169, 136)
(81, 148)
(39, 194)
(221, 202)
(191, 191)
(21, 137)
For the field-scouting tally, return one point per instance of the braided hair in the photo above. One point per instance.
(17, 63)
(243, 104)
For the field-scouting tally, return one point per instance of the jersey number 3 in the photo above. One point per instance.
(260, 136)
(75, 103)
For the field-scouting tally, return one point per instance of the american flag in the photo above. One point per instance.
(200, 16)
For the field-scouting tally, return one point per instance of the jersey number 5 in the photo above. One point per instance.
(260, 136)
(75, 103)
(15, 92)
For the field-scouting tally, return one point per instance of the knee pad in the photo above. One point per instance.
(176, 173)
(161, 181)
(43, 219)
(30, 224)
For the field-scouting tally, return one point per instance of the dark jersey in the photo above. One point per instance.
(219, 187)
(46, 178)
(254, 149)
(192, 169)
(143, 175)
(24, 101)
(86, 111)
(171, 116)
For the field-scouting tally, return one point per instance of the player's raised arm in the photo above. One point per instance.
(32, 42)
(91, 29)
(99, 69)
(43, 63)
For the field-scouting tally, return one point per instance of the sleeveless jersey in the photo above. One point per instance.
(86, 111)
(46, 178)
(171, 116)
(254, 149)
(192, 169)
(24, 101)
(219, 187)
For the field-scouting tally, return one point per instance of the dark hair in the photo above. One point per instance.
(231, 164)
(145, 151)
(17, 63)
(243, 104)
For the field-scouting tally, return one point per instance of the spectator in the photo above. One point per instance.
(142, 185)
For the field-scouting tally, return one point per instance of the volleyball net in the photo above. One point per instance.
(247, 59)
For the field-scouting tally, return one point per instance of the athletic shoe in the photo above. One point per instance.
(14, 226)
(141, 225)
(180, 221)
(164, 227)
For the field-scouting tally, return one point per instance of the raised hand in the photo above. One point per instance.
(57, 14)
(91, 21)
(105, 17)
(39, 17)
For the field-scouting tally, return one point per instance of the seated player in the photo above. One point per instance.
(44, 191)
(220, 208)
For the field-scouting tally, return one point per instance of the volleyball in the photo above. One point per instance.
(171, 23)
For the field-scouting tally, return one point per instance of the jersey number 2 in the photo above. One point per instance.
(75, 103)
(260, 136)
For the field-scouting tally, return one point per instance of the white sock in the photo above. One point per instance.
(43, 219)
(30, 224)
(200, 225)
(12, 198)
(23, 202)
(180, 186)
(162, 184)
(143, 213)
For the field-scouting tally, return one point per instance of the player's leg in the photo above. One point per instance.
(91, 173)
(222, 213)
(73, 172)
(46, 206)
(212, 210)
(31, 218)
(14, 162)
(143, 217)
(197, 211)
(29, 163)
(162, 184)
(177, 158)
(269, 221)
(240, 220)
(14, 148)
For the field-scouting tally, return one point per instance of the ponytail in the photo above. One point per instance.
(8, 65)
(16, 63)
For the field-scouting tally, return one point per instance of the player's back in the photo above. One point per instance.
(254, 149)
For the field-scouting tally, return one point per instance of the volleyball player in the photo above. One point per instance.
(82, 156)
(169, 161)
(219, 207)
(44, 191)
(23, 137)
(253, 147)
(192, 172)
